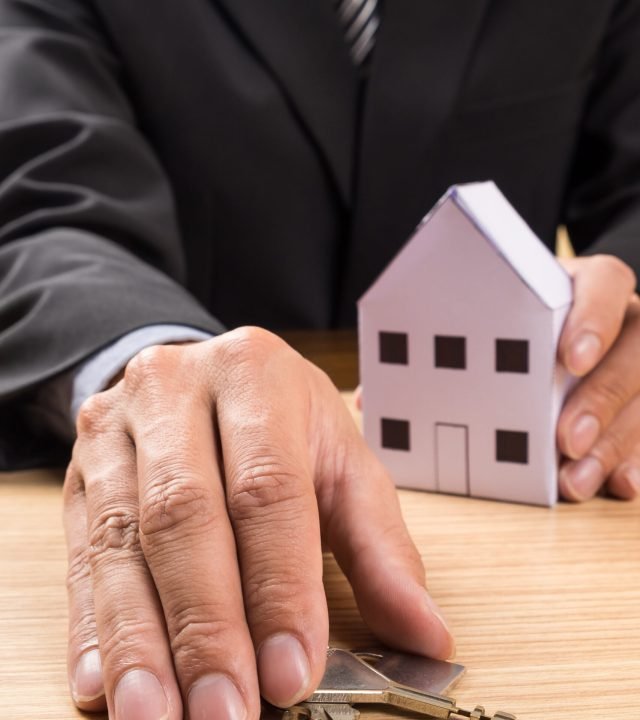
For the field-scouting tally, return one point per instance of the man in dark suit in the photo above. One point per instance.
(170, 168)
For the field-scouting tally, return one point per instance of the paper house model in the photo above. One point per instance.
(458, 340)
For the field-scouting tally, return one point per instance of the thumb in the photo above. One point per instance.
(603, 286)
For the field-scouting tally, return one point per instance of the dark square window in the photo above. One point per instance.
(395, 434)
(512, 356)
(512, 446)
(451, 352)
(394, 348)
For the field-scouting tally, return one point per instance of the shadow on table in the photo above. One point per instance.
(33, 478)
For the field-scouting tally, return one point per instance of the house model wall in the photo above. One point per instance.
(458, 341)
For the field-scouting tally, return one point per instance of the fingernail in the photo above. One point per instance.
(284, 670)
(584, 353)
(583, 479)
(584, 433)
(87, 680)
(450, 651)
(140, 696)
(216, 696)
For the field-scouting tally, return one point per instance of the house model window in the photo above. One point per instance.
(394, 348)
(512, 356)
(450, 352)
(512, 446)
(395, 434)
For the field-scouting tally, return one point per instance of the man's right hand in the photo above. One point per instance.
(201, 489)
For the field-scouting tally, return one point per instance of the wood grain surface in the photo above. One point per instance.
(545, 604)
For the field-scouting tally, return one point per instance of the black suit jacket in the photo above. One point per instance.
(166, 161)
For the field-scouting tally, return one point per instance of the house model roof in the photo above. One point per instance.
(493, 216)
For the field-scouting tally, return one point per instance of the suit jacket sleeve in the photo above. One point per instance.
(89, 242)
(604, 203)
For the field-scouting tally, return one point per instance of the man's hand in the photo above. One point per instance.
(599, 427)
(201, 488)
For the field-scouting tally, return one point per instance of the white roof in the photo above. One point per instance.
(495, 218)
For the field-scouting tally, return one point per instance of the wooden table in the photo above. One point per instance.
(545, 604)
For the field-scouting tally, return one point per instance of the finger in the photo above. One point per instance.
(624, 481)
(187, 539)
(601, 395)
(372, 545)
(602, 287)
(272, 506)
(83, 656)
(580, 480)
(137, 665)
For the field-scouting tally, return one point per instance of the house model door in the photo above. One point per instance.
(452, 459)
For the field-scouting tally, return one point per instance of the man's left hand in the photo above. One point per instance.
(599, 427)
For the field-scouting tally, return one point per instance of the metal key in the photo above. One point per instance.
(414, 671)
(317, 711)
(348, 681)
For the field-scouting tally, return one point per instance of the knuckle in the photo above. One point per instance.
(78, 571)
(196, 631)
(617, 268)
(611, 449)
(113, 531)
(264, 483)
(83, 631)
(610, 395)
(94, 415)
(249, 345)
(176, 505)
(274, 596)
(251, 335)
(147, 365)
(126, 634)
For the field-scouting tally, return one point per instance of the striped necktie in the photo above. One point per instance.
(359, 20)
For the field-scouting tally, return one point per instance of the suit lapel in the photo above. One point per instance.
(421, 55)
(300, 41)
